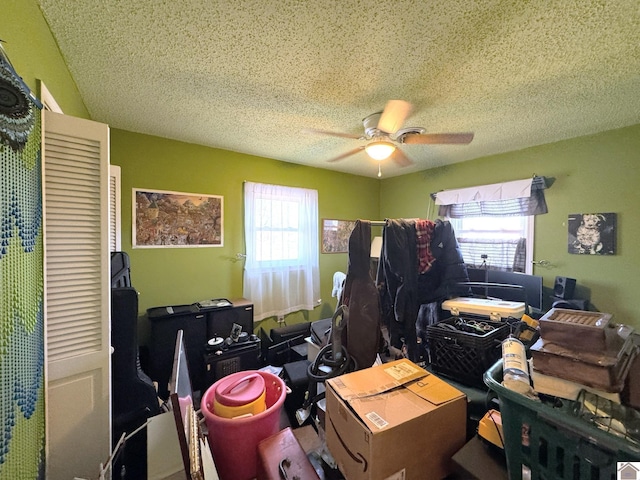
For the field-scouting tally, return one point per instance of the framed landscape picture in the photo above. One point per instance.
(175, 219)
(335, 235)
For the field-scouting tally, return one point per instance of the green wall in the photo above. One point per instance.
(35, 54)
(175, 276)
(597, 173)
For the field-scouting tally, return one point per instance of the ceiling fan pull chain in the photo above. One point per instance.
(379, 170)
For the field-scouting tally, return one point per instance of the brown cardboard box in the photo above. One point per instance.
(394, 421)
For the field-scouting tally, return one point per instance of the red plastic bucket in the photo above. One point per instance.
(234, 441)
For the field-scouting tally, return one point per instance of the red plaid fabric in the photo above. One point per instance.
(424, 232)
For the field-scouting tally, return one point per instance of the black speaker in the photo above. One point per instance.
(570, 304)
(564, 287)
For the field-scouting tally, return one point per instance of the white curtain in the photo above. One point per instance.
(281, 272)
(503, 254)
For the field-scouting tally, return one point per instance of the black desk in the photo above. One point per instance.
(198, 325)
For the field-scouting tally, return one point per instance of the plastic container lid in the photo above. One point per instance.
(496, 310)
(240, 389)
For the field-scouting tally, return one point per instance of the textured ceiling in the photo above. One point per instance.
(251, 75)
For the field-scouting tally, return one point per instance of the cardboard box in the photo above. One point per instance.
(394, 421)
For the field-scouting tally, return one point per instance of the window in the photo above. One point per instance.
(507, 242)
(281, 233)
(494, 223)
(277, 230)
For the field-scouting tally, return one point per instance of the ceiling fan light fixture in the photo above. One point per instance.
(380, 150)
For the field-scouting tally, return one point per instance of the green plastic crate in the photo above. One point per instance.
(545, 441)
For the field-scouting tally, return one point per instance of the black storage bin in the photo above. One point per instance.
(465, 356)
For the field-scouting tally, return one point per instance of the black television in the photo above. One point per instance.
(530, 290)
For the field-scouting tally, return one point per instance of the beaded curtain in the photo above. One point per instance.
(21, 281)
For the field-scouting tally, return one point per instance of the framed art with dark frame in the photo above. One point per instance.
(592, 233)
(174, 219)
(335, 235)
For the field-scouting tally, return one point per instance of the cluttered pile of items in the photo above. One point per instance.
(461, 347)
(565, 389)
(464, 345)
(569, 410)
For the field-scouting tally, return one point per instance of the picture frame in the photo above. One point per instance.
(162, 218)
(592, 233)
(335, 235)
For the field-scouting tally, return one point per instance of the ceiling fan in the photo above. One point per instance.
(383, 133)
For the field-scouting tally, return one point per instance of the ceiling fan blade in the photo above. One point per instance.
(333, 134)
(439, 138)
(399, 157)
(347, 154)
(393, 116)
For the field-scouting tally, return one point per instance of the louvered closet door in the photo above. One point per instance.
(114, 208)
(76, 213)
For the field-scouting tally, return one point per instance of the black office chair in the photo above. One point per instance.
(120, 270)
(134, 397)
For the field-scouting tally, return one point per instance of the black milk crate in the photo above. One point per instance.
(465, 356)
